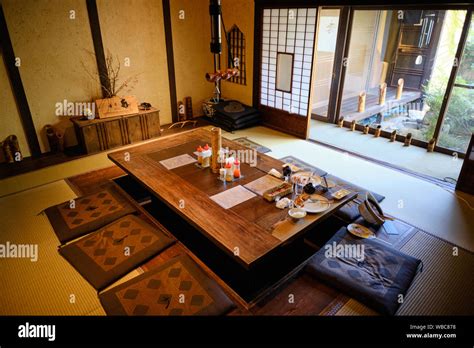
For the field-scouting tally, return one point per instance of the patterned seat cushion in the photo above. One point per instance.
(116, 249)
(178, 287)
(75, 218)
(365, 269)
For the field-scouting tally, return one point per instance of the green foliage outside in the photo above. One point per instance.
(458, 124)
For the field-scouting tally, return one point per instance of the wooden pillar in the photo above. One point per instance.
(401, 82)
(393, 136)
(361, 106)
(353, 125)
(382, 93)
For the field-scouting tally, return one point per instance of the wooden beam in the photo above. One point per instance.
(343, 65)
(94, 23)
(257, 51)
(17, 87)
(170, 59)
(341, 40)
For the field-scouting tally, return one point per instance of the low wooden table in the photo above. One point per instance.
(248, 231)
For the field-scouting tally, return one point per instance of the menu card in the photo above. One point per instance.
(178, 161)
(232, 197)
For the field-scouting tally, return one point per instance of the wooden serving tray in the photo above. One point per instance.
(281, 190)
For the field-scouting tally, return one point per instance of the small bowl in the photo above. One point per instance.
(370, 210)
(297, 213)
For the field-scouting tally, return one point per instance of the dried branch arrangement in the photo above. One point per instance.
(112, 85)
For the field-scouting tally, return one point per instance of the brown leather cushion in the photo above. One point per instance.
(111, 252)
(178, 287)
(89, 213)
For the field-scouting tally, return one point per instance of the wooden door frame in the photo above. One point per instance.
(281, 120)
(338, 58)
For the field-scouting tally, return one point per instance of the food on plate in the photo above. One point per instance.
(301, 199)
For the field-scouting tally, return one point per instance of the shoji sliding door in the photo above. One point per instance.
(283, 65)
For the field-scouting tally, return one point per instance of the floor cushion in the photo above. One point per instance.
(231, 121)
(376, 276)
(178, 287)
(106, 255)
(87, 214)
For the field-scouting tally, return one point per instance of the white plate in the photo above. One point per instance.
(360, 231)
(316, 204)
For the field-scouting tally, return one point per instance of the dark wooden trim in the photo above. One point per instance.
(452, 77)
(94, 23)
(257, 53)
(341, 41)
(348, 33)
(284, 122)
(170, 59)
(17, 87)
(460, 85)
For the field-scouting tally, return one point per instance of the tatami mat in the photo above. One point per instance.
(49, 286)
(444, 287)
(353, 307)
(413, 158)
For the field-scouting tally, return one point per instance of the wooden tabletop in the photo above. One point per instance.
(247, 231)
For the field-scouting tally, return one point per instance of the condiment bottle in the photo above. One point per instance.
(199, 151)
(222, 172)
(206, 156)
(236, 168)
(228, 172)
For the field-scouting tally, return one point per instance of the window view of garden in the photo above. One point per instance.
(417, 48)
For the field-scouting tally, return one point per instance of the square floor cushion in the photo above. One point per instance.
(82, 215)
(104, 256)
(178, 287)
(380, 279)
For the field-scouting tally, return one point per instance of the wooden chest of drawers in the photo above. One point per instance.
(103, 134)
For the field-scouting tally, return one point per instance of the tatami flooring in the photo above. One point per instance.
(413, 158)
(52, 286)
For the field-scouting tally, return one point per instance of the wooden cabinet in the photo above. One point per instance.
(103, 134)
